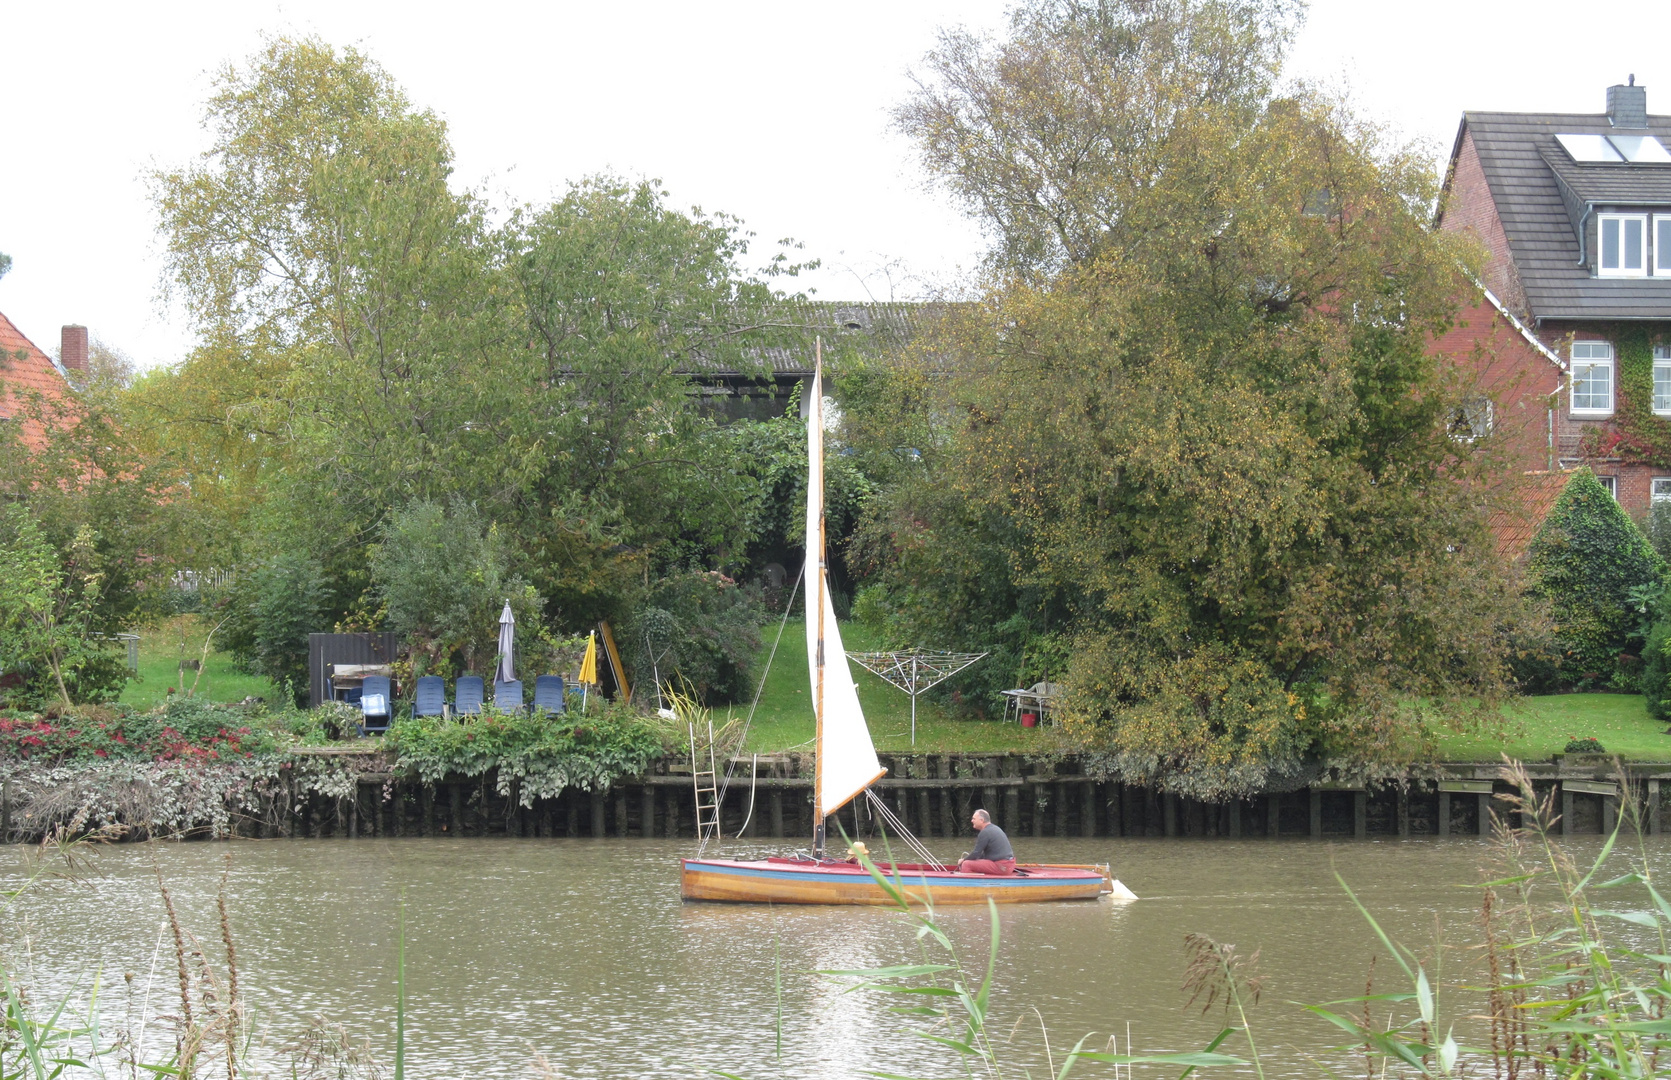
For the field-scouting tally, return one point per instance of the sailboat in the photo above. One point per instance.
(846, 767)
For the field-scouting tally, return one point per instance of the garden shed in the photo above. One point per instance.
(327, 650)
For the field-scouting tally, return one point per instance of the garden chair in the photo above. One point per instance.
(507, 696)
(467, 695)
(548, 694)
(431, 698)
(375, 704)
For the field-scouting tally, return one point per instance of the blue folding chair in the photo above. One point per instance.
(467, 695)
(375, 704)
(548, 694)
(431, 699)
(507, 696)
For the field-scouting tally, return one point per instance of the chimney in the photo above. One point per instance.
(1627, 106)
(72, 348)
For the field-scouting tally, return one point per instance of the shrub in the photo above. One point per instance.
(1587, 745)
(188, 729)
(443, 576)
(1591, 563)
(535, 755)
(268, 615)
(1656, 672)
(700, 630)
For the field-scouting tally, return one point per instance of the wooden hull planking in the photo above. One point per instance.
(787, 881)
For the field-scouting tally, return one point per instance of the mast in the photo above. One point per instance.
(815, 475)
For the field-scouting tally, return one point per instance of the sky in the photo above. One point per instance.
(777, 113)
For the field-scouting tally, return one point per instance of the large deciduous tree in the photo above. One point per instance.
(371, 341)
(1195, 452)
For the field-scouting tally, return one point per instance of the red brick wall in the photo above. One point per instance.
(1469, 207)
(1501, 363)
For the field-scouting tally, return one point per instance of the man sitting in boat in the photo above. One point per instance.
(992, 853)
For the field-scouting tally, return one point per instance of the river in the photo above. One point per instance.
(581, 951)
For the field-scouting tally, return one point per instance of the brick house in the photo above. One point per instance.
(26, 370)
(1570, 336)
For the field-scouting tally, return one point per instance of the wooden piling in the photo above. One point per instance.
(598, 821)
(1566, 811)
(1653, 808)
(1442, 827)
(1316, 806)
(1234, 826)
(620, 813)
(1360, 815)
(1483, 825)
(647, 803)
(1403, 811)
(1088, 802)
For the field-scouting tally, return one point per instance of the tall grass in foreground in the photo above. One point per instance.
(208, 1033)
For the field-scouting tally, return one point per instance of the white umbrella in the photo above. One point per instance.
(507, 644)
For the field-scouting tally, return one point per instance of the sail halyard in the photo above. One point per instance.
(846, 756)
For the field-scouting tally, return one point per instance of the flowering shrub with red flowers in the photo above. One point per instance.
(187, 730)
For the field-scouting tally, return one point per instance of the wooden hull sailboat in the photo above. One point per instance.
(847, 766)
(827, 881)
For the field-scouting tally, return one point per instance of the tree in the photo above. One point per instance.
(48, 602)
(443, 576)
(1194, 448)
(1598, 574)
(370, 341)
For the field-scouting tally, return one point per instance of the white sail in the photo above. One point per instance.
(846, 757)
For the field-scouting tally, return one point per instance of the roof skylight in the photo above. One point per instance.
(1589, 148)
(1640, 149)
(1614, 149)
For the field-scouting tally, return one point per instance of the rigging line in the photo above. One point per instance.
(901, 831)
(759, 690)
(753, 786)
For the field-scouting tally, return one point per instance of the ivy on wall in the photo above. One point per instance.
(1637, 433)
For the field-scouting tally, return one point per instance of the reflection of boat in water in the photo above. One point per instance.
(830, 881)
(846, 766)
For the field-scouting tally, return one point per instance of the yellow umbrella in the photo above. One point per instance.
(588, 668)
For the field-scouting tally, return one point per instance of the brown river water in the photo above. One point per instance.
(581, 951)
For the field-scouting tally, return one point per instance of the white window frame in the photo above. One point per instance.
(1662, 380)
(1662, 245)
(1621, 221)
(1659, 489)
(1611, 483)
(1595, 354)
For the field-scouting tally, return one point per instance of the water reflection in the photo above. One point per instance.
(581, 950)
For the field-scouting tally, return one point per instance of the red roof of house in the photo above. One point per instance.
(32, 372)
(1515, 520)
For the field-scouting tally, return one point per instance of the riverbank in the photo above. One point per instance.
(358, 790)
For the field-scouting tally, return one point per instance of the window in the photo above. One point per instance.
(1592, 378)
(1661, 489)
(1662, 380)
(1611, 483)
(1471, 419)
(1624, 245)
(1662, 245)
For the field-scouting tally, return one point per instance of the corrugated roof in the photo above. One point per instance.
(792, 326)
(1521, 160)
(1517, 520)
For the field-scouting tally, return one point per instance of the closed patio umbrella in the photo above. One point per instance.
(507, 646)
(588, 668)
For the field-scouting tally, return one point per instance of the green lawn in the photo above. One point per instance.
(164, 645)
(784, 719)
(1540, 726)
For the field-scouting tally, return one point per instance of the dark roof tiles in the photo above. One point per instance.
(1521, 159)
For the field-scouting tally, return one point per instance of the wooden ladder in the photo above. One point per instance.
(704, 780)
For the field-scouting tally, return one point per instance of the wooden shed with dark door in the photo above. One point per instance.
(327, 650)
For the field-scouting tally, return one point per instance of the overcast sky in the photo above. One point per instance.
(774, 112)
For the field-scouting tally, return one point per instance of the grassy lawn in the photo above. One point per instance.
(163, 646)
(1540, 726)
(784, 719)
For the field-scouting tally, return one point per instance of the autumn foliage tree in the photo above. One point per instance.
(1192, 445)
